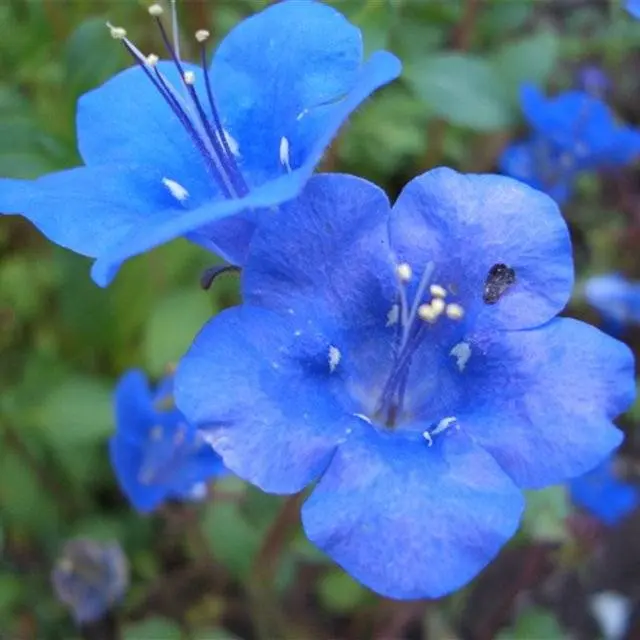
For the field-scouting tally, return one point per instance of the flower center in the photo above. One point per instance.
(204, 128)
(429, 305)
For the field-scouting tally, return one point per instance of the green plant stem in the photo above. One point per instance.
(267, 617)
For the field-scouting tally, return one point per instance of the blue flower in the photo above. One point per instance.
(175, 149)
(407, 361)
(616, 299)
(90, 577)
(156, 454)
(633, 7)
(604, 495)
(571, 133)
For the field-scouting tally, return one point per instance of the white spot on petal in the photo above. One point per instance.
(461, 352)
(334, 358)
(393, 316)
(284, 153)
(176, 189)
(232, 143)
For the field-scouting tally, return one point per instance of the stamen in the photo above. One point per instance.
(202, 35)
(189, 78)
(155, 10)
(117, 33)
(454, 311)
(152, 59)
(438, 291)
(404, 272)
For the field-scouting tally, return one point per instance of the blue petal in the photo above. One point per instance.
(333, 265)
(466, 224)
(604, 495)
(312, 57)
(259, 384)
(134, 410)
(126, 121)
(89, 208)
(196, 224)
(615, 297)
(633, 7)
(542, 401)
(408, 520)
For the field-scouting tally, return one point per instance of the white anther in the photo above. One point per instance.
(438, 305)
(394, 315)
(202, 35)
(284, 153)
(438, 291)
(176, 189)
(404, 272)
(427, 313)
(152, 59)
(454, 311)
(117, 33)
(334, 358)
(156, 433)
(155, 10)
(461, 352)
(189, 77)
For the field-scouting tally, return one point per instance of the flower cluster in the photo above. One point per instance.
(571, 133)
(405, 361)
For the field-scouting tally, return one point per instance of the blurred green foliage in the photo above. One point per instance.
(63, 341)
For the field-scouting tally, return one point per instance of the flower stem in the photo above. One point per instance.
(265, 612)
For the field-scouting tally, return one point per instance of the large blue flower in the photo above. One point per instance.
(605, 495)
(172, 148)
(156, 454)
(571, 133)
(407, 360)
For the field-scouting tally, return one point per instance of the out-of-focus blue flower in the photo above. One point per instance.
(175, 149)
(603, 494)
(633, 7)
(156, 454)
(616, 299)
(90, 577)
(594, 80)
(408, 361)
(571, 133)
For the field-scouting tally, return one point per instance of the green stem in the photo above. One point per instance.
(267, 618)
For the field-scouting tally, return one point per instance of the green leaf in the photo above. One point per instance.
(463, 89)
(546, 512)
(90, 56)
(77, 412)
(153, 629)
(534, 623)
(339, 592)
(173, 325)
(531, 59)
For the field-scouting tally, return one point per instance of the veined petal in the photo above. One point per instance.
(467, 224)
(89, 208)
(542, 401)
(408, 520)
(126, 121)
(312, 56)
(260, 386)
